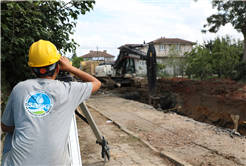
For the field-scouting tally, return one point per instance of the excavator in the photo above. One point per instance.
(123, 71)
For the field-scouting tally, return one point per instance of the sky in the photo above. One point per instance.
(113, 23)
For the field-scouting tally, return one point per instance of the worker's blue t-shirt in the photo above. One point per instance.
(41, 111)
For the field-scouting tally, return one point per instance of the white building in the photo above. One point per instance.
(162, 47)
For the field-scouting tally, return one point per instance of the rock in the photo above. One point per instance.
(231, 135)
(235, 133)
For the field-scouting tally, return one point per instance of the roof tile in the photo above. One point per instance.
(171, 41)
(97, 54)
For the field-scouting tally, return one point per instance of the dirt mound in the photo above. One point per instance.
(215, 101)
(214, 86)
(173, 79)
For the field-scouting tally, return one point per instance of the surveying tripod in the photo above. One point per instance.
(65, 76)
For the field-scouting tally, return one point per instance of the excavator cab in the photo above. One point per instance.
(128, 66)
(125, 64)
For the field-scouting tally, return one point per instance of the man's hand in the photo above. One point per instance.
(65, 64)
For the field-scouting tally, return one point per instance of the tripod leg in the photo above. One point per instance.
(91, 122)
(100, 139)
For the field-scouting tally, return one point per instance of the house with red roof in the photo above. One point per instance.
(98, 56)
(163, 46)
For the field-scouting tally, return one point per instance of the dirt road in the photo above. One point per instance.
(193, 142)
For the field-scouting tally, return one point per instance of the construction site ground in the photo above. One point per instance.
(125, 149)
(190, 122)
(152, 133)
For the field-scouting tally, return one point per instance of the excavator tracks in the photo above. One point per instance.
(135, 82)
(107, 83)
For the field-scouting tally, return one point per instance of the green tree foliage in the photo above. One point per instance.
(24, 22)
(74, 55)
(176, 58)
(233, 12)
(199, 62)
(215, 56)
(76, 61)
(160, 66)
(225, 55)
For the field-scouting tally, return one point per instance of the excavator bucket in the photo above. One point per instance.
(151, 69)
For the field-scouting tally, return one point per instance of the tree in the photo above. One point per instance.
(160, 67)
(233, 12)
(225, 55)
(76, 61)
(176, 56)
(218, 56)
(74, 55)
(198, 61)
(24, 22)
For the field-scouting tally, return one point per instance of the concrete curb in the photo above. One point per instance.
(166, 155)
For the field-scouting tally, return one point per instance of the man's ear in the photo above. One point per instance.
(57, 68)
(32, 70)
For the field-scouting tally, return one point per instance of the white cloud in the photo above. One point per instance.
(115, 23)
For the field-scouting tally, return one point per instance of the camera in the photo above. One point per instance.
(64, 76)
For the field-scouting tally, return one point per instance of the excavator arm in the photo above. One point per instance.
(151, 69)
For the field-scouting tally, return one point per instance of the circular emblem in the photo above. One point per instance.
(39, 103)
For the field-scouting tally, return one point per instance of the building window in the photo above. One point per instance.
(142, 63)
(177, 47)
(162, 47)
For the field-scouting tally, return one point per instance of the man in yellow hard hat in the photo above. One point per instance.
(39, 111)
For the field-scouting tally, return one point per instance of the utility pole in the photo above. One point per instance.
(97, 54)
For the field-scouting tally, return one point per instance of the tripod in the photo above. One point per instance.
(73, 143)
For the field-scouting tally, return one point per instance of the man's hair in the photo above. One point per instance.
(46, 71)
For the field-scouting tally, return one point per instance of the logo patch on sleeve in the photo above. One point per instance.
(39, 103)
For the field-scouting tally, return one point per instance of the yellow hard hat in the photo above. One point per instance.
(43, 53)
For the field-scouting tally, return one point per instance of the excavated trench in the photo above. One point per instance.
(220, 102)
